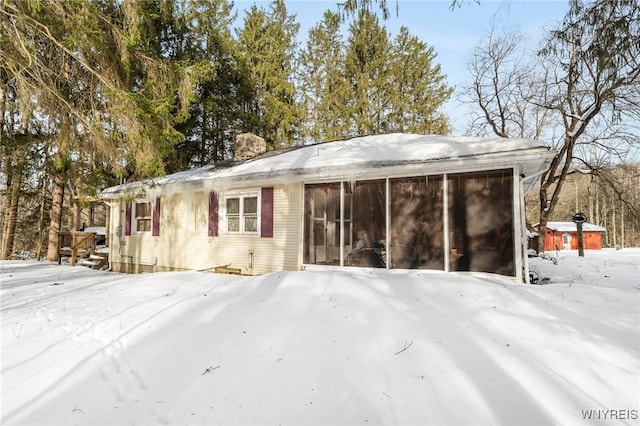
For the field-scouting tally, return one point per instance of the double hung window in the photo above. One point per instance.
(143, 217)
(241, 213)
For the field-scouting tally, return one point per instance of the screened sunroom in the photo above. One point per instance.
(395, 201)
(449, 222)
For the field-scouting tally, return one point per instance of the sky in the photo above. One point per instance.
(452, 32)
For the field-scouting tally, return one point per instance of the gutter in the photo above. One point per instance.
(226, 178)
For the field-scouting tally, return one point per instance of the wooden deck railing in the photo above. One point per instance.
(75, 244)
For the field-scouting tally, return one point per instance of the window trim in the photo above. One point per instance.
(241, 195)
(135, 218)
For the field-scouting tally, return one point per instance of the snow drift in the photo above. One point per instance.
(350, 346)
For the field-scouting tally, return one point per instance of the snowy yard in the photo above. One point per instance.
(322, 347)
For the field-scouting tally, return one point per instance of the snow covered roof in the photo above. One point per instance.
(362, 157)
(571, 227)
(100, 230)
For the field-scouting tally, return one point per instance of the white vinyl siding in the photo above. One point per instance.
(184, 242)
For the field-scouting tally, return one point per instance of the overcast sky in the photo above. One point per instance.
(452, 33)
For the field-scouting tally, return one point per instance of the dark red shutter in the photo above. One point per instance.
(266, 213)
(127, 218)
(213, 214)
(155, 220)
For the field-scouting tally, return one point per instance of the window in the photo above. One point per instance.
(241, 213)
(143, 217)
(481, 222)
(417, 223)
(233, 214)
(250, 214)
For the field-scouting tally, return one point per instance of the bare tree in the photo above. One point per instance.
(592, 64)
(582, 89)
(350, 7)
(503, 85)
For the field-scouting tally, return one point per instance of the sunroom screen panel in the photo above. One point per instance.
(368, 224)
(481, 222)
(417, 224)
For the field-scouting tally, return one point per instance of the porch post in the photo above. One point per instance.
(301, 240)
(519, 228)
(107, 223)
(76, 214)
(445, 217)
(341, 225)
(387, 214)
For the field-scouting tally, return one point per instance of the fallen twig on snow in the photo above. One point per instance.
(19, 331)
(406, 346)
(210, 369)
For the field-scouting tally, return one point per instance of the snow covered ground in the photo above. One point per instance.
(322, 347)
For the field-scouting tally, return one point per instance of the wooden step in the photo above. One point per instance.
(95, 261)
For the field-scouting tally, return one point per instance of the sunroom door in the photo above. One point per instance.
(322, 224)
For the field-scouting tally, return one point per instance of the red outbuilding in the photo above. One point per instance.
(563, 236)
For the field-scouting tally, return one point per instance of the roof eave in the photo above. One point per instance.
(537, 157)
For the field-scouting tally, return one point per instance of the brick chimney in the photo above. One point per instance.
(248, 146)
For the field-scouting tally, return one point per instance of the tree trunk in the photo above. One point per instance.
(591, 189)
(605, 222)
(580, 239)
(41, 217)
(56, 215)
(11, 214)
(597, 206)
(613, 223)
(622, 227)
(3, 97)
(7, 210)
(77, 207)
(91, 218)
(77, 212)
(107, 211)
(544, 218)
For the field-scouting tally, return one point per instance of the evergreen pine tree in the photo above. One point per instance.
(205, 45)
(93, 75)
(417, 88)
(368, 73)
(322, 86)
(267, 48)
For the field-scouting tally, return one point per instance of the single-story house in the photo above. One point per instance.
(384, 201)
(564, 236)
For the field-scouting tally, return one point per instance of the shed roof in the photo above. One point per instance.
(362, 157)
(571, 227)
